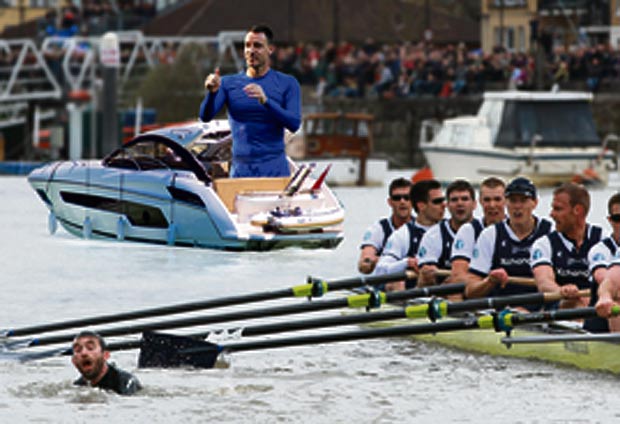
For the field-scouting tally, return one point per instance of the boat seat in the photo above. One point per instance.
(229, 188)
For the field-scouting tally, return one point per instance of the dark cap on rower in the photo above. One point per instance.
(521, 185)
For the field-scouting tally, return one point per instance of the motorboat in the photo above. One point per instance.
(172, 186)
(549, 137)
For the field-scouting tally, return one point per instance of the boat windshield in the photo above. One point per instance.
(146, 155)
(554, 124)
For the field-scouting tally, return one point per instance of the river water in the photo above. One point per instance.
(50, 278)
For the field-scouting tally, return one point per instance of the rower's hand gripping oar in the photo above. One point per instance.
(313, 288)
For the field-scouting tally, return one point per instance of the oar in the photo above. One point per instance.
(502, 322)
(522, 281)
(365, 300)
(314, 288)
(434, 309)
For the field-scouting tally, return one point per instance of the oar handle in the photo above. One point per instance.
(553, 296)
(522, 281)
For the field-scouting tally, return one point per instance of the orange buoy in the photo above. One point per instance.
(422, 175)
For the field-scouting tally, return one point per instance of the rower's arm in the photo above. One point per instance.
(477, 286)
(545, 279)
(458, 271)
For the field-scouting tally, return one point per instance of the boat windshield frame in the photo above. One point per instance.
(176, 158)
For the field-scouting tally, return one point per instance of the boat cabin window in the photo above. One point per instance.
(557, 124)
(146, 155)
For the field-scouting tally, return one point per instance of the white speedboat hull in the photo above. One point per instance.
(136, 198)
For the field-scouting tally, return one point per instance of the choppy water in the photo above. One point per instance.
(49, 278)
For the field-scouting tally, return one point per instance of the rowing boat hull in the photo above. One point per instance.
(585, 355)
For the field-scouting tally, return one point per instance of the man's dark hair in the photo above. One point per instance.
(493, 182)
(613, 200)
(89, 333)
(577, 195)
(419, 191)
(263, 29)
(399, 183)
(461, 185)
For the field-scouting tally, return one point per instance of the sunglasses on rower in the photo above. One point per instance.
(615, 217)
(438, 200)
(399, 197)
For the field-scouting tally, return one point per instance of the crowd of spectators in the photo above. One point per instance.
(421, 69)
(94, 17)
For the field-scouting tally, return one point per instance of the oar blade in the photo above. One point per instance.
(161, 350)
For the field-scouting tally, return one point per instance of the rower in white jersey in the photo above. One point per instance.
(493, 203)
(436, 244)
(401, 248)
(377, 234)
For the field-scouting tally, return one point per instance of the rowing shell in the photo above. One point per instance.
(587, 355)
(304, 221)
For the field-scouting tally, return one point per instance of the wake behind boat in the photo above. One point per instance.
(172, 186)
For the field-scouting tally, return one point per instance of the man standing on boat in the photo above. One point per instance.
(90, 357)
(401, 248)
(559, 260)
(436, 245)
(503, 249)
(261, 103)
(378, 233)
(601, 256)
(493, 203)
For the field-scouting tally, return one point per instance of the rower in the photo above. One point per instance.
(401, 248)
(559, 260)
(503, 249)
(600, 258)
(493, 203)
(378, 233)
(436, 245)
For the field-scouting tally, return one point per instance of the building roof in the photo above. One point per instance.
(382, 20)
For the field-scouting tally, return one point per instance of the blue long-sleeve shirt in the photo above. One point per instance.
(257, 129)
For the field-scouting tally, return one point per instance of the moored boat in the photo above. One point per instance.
(172, 186)
(549, 137)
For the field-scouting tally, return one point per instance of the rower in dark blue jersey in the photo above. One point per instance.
(503, 249)
(560, 260)
(600, 258)
(261, 103)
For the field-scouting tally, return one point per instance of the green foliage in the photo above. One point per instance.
(176, 90)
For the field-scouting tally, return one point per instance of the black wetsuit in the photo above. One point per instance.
(116, 380)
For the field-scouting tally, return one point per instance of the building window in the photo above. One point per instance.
(509, 3)
(521, 39)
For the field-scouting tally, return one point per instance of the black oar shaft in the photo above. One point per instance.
(486, 322)
(299, 291)
(405, 330)
(354, 301)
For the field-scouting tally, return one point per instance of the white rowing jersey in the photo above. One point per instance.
(377, 234)
(436, 245)
(602, 254)
(402, 244)
(465, 240)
